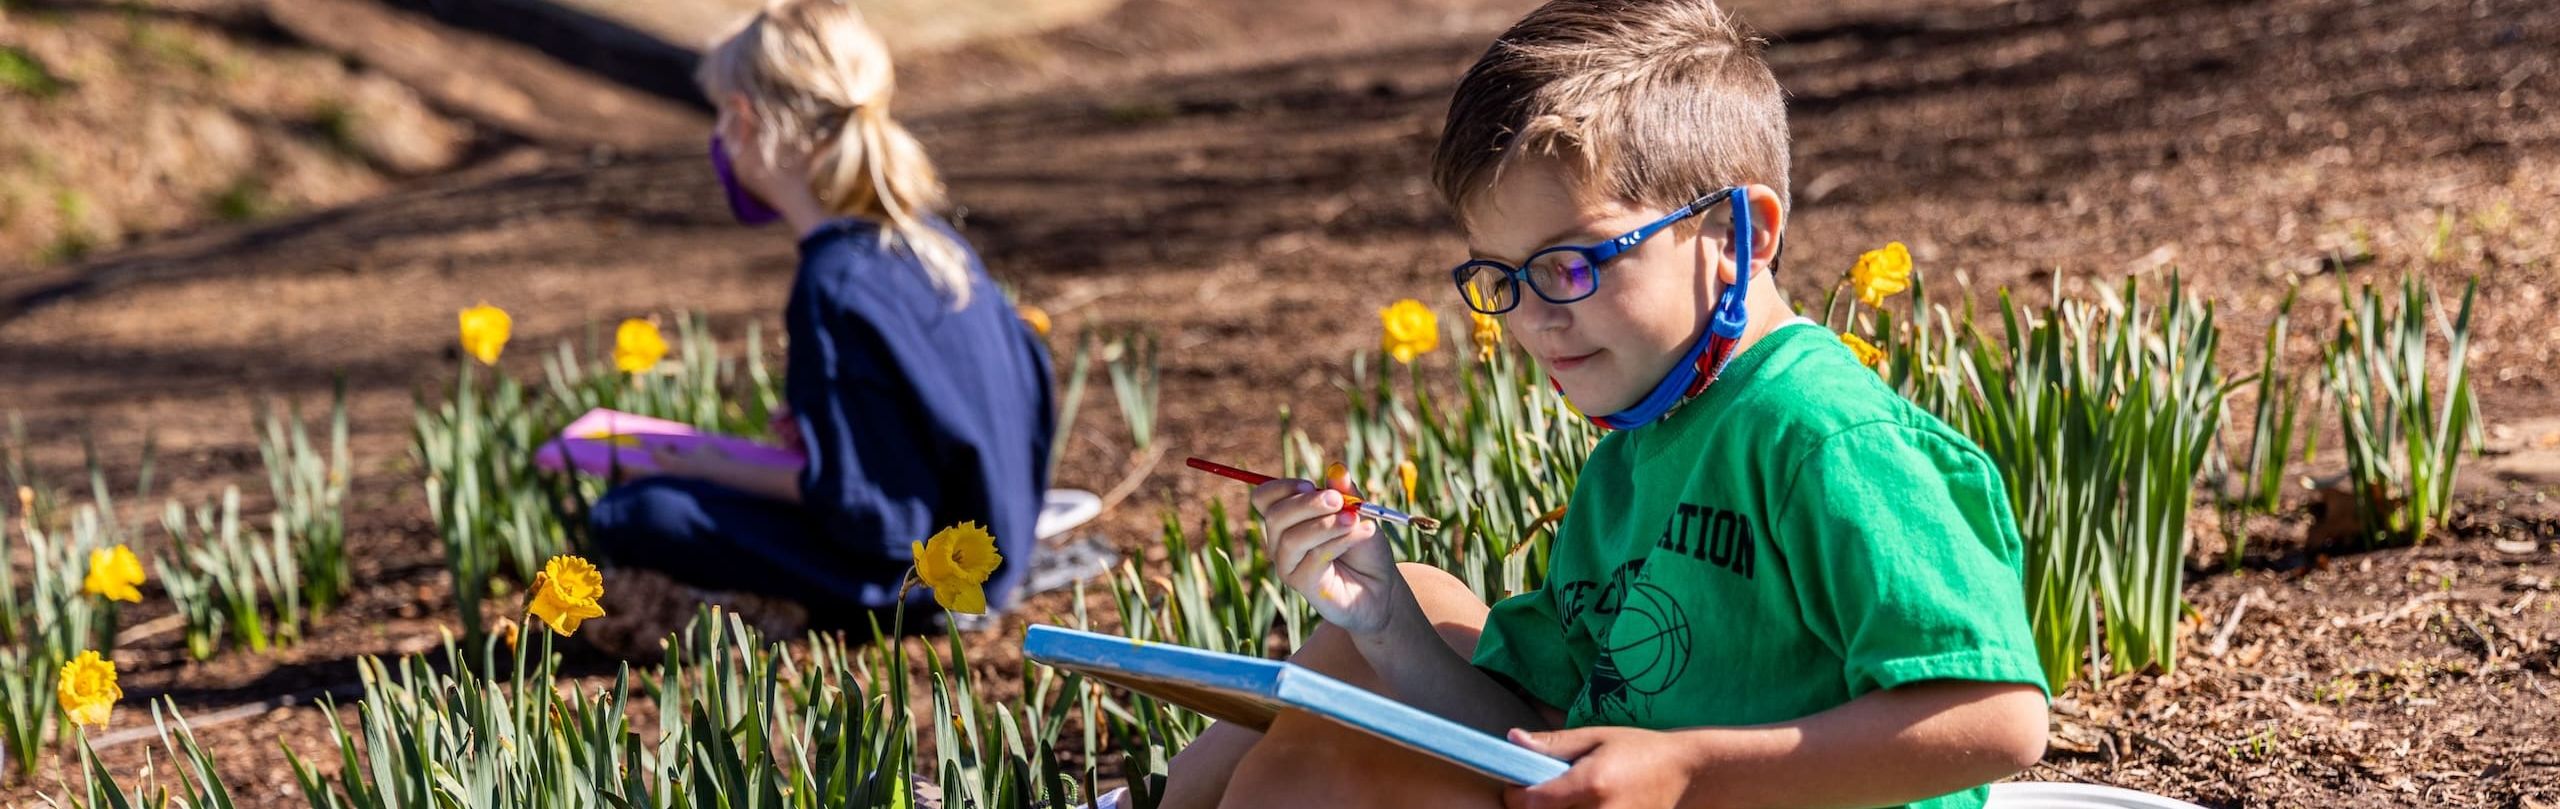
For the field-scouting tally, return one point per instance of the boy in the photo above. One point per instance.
(1777, 583)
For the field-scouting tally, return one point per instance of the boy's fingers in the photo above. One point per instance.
(1298, 508)
(1270, 493)
(1568, 744)
(1565, 792)
(1338, 478)
(1311, 567)
(1290, 547)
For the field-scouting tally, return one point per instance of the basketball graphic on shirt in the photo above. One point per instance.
(1650, 644)
(1614, 594)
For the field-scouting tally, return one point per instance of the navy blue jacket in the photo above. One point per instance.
(917, 416)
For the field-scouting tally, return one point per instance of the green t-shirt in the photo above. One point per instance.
(1797, 536)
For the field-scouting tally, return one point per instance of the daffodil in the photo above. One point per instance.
(956, 562)
(1035, 318)
(1406, 472)
(1488, 334)
(1411, 329)
(637, 346)
(1868, 354)
(484, 332)
(1881, 274)
(88, 691)
(565, 593)
(114, 573)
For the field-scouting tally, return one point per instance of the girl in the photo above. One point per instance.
(918, 396)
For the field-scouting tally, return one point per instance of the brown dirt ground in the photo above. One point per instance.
(1246, 180)
(233, 111)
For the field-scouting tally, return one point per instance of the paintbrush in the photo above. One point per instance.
(1350, 503)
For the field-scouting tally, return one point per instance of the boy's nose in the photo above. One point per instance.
(1536, 314)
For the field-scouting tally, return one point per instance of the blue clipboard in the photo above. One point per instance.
(1251, 691)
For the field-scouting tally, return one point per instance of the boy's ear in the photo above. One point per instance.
(1768, 224)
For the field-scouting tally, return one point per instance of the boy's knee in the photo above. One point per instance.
(1305, 761)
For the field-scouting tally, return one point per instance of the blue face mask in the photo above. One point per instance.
(1706, 358)
(743, 205)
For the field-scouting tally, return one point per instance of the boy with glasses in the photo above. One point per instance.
(1777, 582)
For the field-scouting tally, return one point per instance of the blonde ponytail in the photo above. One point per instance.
(818, 79)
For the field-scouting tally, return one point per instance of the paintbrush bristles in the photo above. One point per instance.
(1427, 525)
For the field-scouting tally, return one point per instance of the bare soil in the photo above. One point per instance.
(1247, 181)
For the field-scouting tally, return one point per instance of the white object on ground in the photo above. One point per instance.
(1059, 565)
(1061, 510)
(2040, 795)
(1110, 800)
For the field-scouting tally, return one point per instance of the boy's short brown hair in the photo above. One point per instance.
(1654, 101)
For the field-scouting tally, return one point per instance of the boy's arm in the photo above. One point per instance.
(1349, 573)
(1422, 671)
(1889, 747)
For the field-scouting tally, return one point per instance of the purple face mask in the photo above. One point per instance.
(743, 205)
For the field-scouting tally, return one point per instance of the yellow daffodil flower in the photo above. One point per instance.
(484, 332)
(566, 593)
(1868, 354)
(1406, 472)
(637, 346)
(1488, 334)
(1035, 318)
(1412, 330)
(1881, 274)
(114, 573)
(88, 691)
(956, 562)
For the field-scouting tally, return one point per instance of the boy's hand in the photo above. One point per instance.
(1613, 767)
(1331, 556)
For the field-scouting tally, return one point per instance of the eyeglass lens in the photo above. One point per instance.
(1560, 276)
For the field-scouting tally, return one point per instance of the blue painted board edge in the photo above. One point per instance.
(1297, 687)
(1060, 646)
(1491, 756)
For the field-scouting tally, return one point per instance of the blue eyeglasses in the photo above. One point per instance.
(1564, 273)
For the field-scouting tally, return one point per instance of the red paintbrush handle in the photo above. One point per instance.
(1350, 502)
(1225, 471)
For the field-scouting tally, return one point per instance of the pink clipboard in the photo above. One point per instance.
(602, 440)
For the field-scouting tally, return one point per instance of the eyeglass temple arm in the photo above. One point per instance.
(1610, 249)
